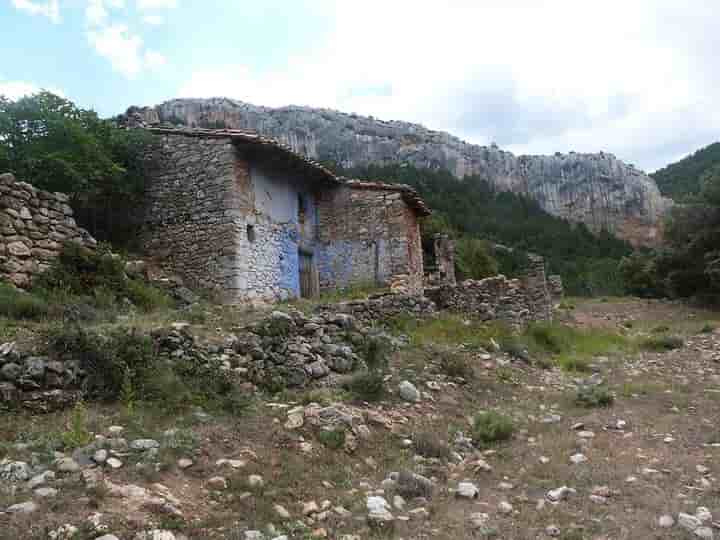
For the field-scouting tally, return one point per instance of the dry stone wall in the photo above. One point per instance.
(514, 301)
(34, 225)
(191, 206)
(381, 307)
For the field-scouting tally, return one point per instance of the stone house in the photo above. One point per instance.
(245, 216)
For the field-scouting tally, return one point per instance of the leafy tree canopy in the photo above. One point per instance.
(50, 142)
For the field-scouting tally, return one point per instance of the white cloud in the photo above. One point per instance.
(49, 9)
(148, 5)
(154, 59)
(14, 90)
(124, 50)
(534, 76)
(114, 41)
(153, 20)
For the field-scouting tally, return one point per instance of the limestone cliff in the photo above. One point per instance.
(596, 189)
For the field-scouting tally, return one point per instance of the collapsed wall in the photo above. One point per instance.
(516, 302)
(34, 225)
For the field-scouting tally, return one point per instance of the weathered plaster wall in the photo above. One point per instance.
(368, 236)
(34, 225)
(268, 267)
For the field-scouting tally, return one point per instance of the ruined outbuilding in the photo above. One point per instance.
(250, 219)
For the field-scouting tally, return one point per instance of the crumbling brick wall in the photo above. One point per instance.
(34, 225)
(368, 236)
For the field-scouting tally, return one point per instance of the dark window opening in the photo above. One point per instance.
(301, 208)
(251, 233)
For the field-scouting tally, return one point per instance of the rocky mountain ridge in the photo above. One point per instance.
(596, 189)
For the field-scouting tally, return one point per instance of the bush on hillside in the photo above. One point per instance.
(491, 427)
(17, 304)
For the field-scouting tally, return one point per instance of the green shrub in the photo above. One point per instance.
(77, 434)
(662, 343)
(376, 352)
(332, 438)
(550, 338)
(572, 363)
(594, 396)
(707, 329)
(146, 297)
(368, 386)
(16, 304)
(430, 445)
(111, 361)
(490, 427)
(85, 277)
(456, 365)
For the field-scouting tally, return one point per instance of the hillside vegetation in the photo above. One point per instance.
(683, 179)
(471, 208)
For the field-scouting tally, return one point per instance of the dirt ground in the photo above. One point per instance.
(654, 452)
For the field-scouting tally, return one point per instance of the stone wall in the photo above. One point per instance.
(514, 301)
(368, 236)
(34, 225)
(37, 383)
(493, 298)
(381, 307)
(556, 289)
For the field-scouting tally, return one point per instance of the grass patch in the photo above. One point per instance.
(630, 389)
(450, 329)
(491, 427)
(594, 396)
(332, 438)
(662, 343)
(16, 304)
(572, 349)
(367, 386)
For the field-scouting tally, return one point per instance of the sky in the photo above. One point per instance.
(638, 78)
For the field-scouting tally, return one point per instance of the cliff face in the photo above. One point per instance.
(595, 189)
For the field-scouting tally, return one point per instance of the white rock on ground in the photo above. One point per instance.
(144, 444)
(666, 521)
(22, 508)
(688, 521)
(409, 392)
(14, 471)
(114, 463)
(505, 507)
(378, 510)
(155, 534)
(560, 494)
(467, 490)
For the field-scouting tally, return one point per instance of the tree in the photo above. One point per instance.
(473, 259)
(48, 141)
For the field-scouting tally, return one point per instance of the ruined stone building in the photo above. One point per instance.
(247, 217)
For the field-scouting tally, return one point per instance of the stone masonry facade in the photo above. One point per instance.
(369, 235)
(247, 218)
(34, 226)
